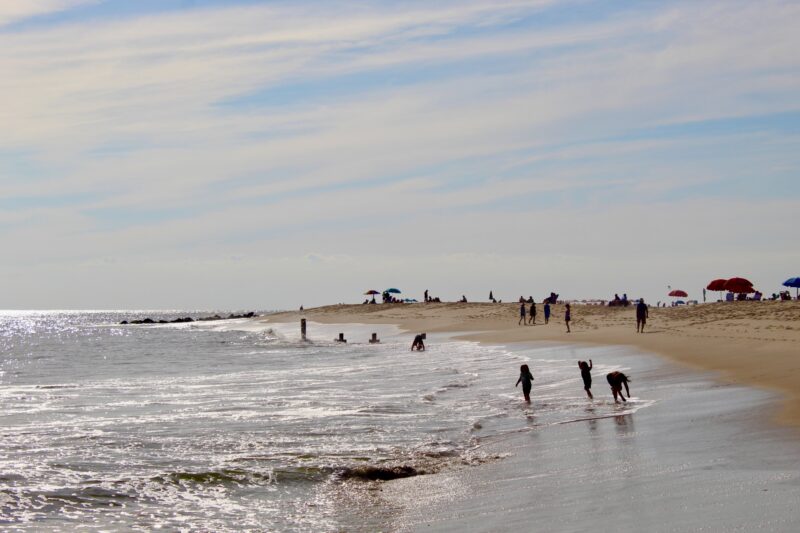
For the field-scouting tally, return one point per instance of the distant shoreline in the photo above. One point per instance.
(748, 343)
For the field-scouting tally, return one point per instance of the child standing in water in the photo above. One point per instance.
(525, 377)
(586, 374)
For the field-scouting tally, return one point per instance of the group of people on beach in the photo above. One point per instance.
(615, 379)
(530, 313)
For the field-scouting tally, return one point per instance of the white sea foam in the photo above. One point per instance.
(180, 419)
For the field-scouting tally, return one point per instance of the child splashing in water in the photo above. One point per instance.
(586, 374)
(525, 377)
(617, 380)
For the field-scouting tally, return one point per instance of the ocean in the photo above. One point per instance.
(239, 425)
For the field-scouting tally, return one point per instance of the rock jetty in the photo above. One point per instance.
(251, 314)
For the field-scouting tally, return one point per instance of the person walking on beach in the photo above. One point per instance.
(567, 317)
(546, 311)
(532, 313)
(617, 380)
(526, 378)
(586, 374)
(521, 314)
(642, 315)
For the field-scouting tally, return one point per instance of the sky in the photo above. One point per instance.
(166, 154)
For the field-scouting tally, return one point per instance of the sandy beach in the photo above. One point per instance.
(748, 343)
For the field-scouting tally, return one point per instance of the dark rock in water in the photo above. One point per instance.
(148, 321)
(124, 322)
(375, 473)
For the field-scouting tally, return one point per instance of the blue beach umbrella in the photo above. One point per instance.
(393, 291)
(793, 282)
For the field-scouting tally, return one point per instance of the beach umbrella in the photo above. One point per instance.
(717, 285)
(793, 282)
(393, 291)
(677, 293)
(739, 286)
(371, 292)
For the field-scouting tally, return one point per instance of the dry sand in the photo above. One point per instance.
(750, 343)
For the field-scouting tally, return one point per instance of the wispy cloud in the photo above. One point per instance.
(12, 11)
(178, 132)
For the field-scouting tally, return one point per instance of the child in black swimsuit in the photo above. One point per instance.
(586, 374)
(617, 380)
(525, 377)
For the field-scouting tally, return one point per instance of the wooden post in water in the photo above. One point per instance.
(341, 338)
(374, 339)
(303, 328)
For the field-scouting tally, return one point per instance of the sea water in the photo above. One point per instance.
(240, 425)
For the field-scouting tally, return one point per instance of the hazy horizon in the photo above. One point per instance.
(245, 155)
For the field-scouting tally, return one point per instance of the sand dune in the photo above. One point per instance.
(752, 343)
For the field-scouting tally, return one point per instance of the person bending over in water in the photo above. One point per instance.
(617, 380)
(418, 344)
(525, 377)
(586, 374)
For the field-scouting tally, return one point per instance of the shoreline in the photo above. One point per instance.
(755, 344)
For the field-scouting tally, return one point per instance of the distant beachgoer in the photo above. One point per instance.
(704, 295)
(567, 317)
(546, 312)
(586, 374)
(521, 314)
(491, 296)
(426, 295)
(532, 313)
(418, 344)
(463, 299)
(525, 377)
(642, 315)
(617, 380)
(301, 308)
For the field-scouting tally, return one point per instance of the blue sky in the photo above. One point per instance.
(168, 154)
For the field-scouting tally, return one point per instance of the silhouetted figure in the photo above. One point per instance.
(532, 313)
(426, 295)
(567, 317)
(526, 378)
(521, 314)
(642, 315)
(586, 374)
(617, 380)
(546, 312)
(418, 344)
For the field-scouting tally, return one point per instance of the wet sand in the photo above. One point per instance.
(703, 457)
(706, 455)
